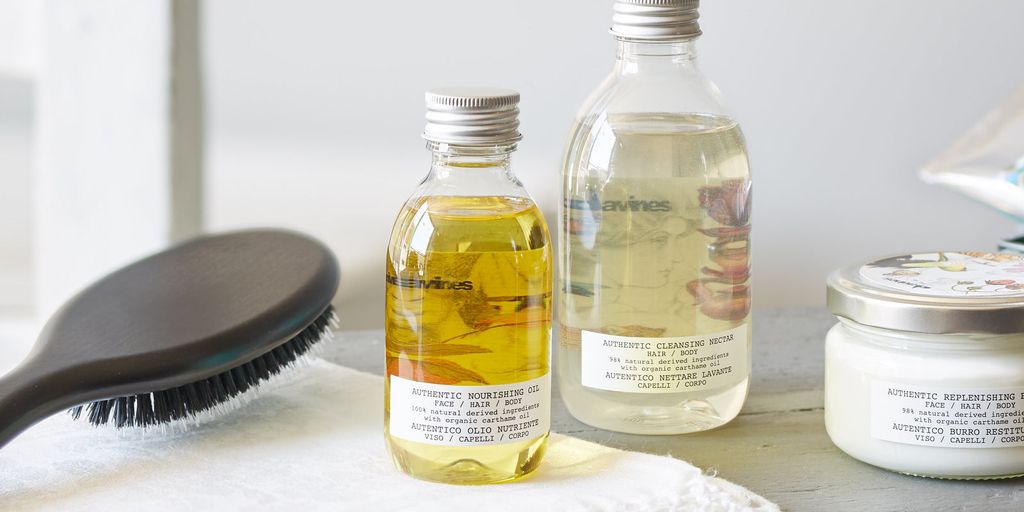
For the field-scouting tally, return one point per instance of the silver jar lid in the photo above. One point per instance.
(655, 20)
(935, 293)
(472, 116)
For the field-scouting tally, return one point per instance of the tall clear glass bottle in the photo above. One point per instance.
(468, 307)
(654, 309)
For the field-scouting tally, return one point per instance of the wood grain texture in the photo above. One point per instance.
(777, 447)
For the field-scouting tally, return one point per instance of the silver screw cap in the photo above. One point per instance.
(472, 116)
(655, 20)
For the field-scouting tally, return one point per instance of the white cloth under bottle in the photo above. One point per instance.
(313, 441)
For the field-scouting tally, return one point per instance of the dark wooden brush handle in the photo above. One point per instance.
(27, 397)
(172, 319)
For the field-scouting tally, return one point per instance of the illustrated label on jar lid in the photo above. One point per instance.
(950, 274)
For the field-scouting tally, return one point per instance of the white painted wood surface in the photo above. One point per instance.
(778, 446)
(15, 197)
(119, 138)
(19, 35)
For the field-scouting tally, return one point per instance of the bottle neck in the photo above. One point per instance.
(451, 159)
(675, 56)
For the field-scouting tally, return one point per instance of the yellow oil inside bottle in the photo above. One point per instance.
(468, 304)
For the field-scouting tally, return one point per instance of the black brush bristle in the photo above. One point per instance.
(149, 409)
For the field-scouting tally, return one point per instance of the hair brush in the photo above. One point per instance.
(176, 333)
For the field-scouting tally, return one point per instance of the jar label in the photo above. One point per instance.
(950, 274)
(664, 365)
(469, 415)
(952, 418)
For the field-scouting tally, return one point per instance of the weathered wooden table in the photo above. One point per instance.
(777, 447)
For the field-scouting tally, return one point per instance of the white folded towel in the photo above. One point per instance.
(314, 441)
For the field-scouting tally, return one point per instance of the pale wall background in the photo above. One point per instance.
(315, 109)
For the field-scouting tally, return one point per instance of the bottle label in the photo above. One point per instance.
(470, 415)
(947, 417)
(664, 365)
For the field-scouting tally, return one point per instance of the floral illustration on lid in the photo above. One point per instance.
(950, 274)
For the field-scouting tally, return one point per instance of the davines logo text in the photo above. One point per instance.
(636, 205)
(631, 205)
(433, 284)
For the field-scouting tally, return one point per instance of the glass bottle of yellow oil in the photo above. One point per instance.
(468, 307)
(654, 309)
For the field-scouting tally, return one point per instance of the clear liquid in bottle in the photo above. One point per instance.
(654, 316)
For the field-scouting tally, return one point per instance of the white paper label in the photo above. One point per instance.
(664, 365)
(470, 415)
(931, 416)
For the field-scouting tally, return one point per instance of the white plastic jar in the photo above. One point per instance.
(924, 373)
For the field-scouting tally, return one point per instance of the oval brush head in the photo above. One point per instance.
(189, 400)
(177, 333)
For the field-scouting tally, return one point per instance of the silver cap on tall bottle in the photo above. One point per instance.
(655, 20)
(472, 116)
